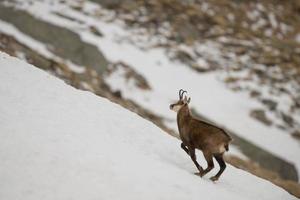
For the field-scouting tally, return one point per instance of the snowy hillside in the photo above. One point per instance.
(95, 25)
(58, 142)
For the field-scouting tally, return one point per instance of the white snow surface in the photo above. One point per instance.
(209, 95)
(58, 142)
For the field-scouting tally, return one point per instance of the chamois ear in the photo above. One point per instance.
(189, 100)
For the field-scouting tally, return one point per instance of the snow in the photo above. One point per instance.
(58, 142)
(209, 95)
(297, 38)
(273, 20)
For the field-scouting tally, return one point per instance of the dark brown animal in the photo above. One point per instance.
(196, 134)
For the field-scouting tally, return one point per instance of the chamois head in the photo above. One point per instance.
(181, 102)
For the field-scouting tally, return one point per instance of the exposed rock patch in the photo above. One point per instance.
(260, 115)
(129, 74)
(60, 41)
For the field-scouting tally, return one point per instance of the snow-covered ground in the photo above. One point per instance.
(58, 142)
(209, 95)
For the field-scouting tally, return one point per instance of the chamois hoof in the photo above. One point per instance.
(200, 173)
(214, 178)
(200, 169)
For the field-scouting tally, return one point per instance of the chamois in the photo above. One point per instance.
(196, 134)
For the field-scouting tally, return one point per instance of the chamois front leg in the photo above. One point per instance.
(194, 159)
(185, 148)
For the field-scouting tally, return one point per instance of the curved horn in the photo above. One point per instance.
(181, 92)
(180, 96)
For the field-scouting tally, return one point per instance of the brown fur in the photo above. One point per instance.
(196, 134)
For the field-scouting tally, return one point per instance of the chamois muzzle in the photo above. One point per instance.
(171, 106)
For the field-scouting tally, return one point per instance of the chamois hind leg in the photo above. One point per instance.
(185, 148)
(194, 159)
(210, 163)
(220, 160)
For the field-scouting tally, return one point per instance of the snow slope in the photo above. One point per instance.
(209, 95)
(61, 143)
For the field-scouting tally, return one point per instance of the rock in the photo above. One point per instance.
(260, 115)
(117, 94)
(130, 74)
(231, 79)
(111, 3)
(255, 93)
(220, 20)
(96, 31)
(287, 119)
(185, 32)
(183, 57)
(270, 103)
(296, 134)
(199, 68)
